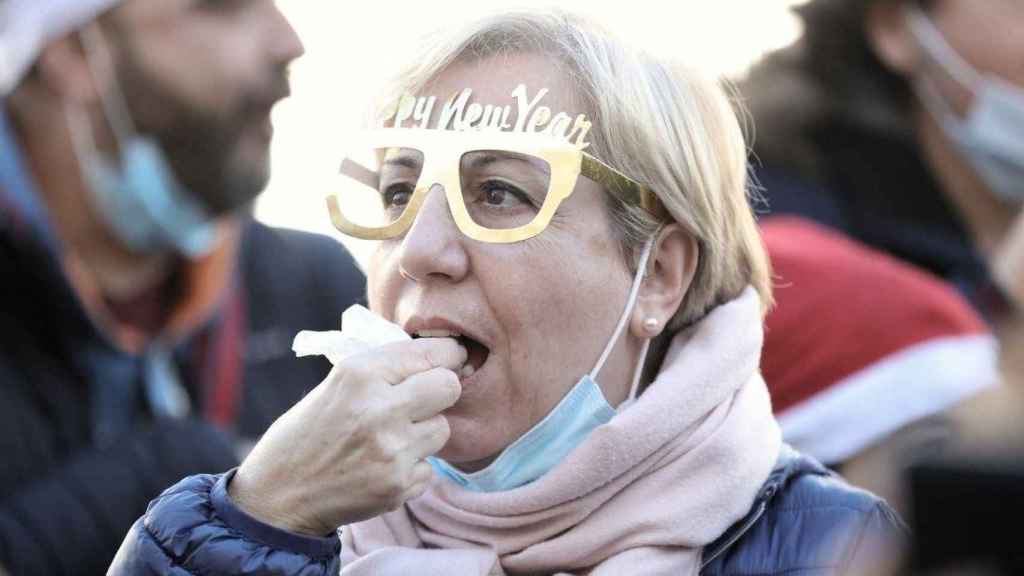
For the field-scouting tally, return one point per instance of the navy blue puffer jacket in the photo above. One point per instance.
(805, 521)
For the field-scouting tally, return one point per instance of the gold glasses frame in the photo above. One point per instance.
(442, 155)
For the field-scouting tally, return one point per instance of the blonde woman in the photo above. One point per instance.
(564, 231)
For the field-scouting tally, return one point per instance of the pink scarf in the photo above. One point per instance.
(642, 495)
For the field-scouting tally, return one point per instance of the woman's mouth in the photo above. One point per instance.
(477, 353)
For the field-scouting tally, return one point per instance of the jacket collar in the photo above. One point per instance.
(789, 465)
(19, 202)
(204, 284)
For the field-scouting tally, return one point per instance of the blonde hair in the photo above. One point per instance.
(661, 124)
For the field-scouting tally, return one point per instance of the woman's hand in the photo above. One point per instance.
(354, 447)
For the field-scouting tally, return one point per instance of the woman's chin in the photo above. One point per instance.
(478, 430)
(470, 442)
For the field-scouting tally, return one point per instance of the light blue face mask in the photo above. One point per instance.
(991, 137)
(581, 411)
(138, 198)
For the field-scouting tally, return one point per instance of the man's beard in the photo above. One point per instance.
(202, 146)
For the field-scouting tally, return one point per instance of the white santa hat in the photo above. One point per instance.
(27, 26)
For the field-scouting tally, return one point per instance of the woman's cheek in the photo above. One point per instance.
(381, 276)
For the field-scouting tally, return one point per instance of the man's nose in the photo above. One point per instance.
(284, 43)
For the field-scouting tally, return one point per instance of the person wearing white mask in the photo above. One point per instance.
(962, 60)
(566, 247)
(142, 303)
(900, 123)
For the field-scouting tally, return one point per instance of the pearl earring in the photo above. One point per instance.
(651, 324)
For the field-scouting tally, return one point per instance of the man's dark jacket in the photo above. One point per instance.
(67, 502)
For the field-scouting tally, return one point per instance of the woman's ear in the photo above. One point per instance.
(672, 266)
(889, 36)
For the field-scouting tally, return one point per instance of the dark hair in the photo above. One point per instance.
(830, 75)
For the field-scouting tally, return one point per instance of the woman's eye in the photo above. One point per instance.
(397, 195)
(501, 194)
(495, 195)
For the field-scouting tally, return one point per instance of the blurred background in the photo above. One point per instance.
(140, 347)
(332, 86)
(887, 157)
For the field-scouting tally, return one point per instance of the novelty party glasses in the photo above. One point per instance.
(501, 187)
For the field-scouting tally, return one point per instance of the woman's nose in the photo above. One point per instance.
(433, 248)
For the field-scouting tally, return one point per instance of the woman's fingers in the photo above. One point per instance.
(429, 436)
(429, 393)
(393, 363)
(377, 416)
(419, 480)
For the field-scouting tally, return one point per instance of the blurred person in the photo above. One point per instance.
(963, 500)
(865, 354)
(580, 390)
(901, 123)
(146, 318)
(995, 420)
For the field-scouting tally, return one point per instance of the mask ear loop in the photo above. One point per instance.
(641, 273)
(938, 48)
(83, 141)
(639, 370)
(81, 133)
(114, 105)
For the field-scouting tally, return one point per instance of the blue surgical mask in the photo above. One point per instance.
(582, 410)
(991, 137)
(139, 198)
(142, 203)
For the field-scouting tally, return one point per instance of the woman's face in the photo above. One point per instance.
(543, 308)
(985, 34)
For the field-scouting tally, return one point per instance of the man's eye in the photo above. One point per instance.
(219, 5)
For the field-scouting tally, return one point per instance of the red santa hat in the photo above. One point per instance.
(860, 344)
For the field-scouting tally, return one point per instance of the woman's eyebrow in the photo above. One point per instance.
(482, 159)
(409, 161)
